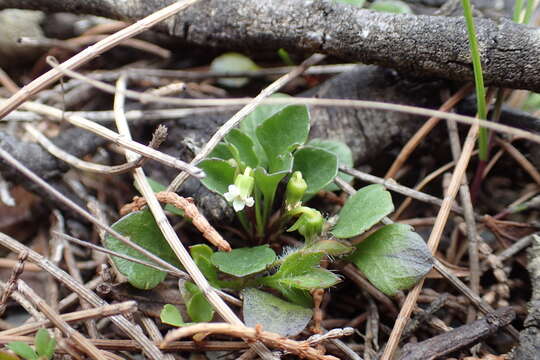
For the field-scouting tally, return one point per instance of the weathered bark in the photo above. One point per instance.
(463, 336)
(422, 45)
(529, 339)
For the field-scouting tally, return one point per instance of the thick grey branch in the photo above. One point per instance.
(422, 45)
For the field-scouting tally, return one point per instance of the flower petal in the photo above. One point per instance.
(238, 205)
(234, 190)
(249, 201)
(228, 196)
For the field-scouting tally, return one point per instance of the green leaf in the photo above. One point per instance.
(391, 6)
(244, 145)
(268, 183)
(221, 151)
(318, 167)
(244, 261)
(233, 62)
(344, 156)
(358, 3)
(316, 278)
(300, 270)
(198, 308)
(331, 247)
(393, 258)
(171, 315)
(158, 187)
(142, 229)
(4, 355)
(284, 131)
(202, 254)
(45, 344)
(252, 121)
(274, 314)
(23, 350)
(219, 175)
(363, 210)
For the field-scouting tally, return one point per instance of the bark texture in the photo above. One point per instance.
(422, 45)
(529, 339)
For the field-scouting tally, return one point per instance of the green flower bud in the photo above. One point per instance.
(245, 182)
(309, 224)
(296, 187)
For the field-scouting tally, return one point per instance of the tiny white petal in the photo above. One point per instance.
(249, 201)
(228, 196)
(238, 205)
(234, 190)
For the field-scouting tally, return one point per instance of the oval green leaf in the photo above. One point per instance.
(244, 145)
(344, 156)
(357, 3)
(219, 175)
(231, 63)
(244, 261)
(45, 344)
(363, 210)
(171, 315)
(301, 270)
(198, 308)
(391, 6)
(142, 229)
(393, 258)
(23, 350)
(283, 131)
(318, 167)
(275, 315)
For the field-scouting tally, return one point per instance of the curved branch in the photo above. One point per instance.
(421, 45)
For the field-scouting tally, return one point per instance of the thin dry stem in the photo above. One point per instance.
(84, 293)
(91, 52)
(89, 348)
(472, 234)
(300, 348)
(78, 163)
(190, 211)
(11, 284)
(126, 307)
(114, 137)
(424, 130)
(433, 241)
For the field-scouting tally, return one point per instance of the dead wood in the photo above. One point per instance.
(529, 339)
(458, 338)
(422, 45)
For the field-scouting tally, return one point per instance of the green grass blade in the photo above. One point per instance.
(478, 79)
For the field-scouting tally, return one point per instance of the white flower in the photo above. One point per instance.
(238, 200)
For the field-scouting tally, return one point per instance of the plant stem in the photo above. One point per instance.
(244, 221)
(259, 219)
(528, 12)
(478, 79)
(518, 6)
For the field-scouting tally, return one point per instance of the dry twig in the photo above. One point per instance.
(190, 211)
(300, 348)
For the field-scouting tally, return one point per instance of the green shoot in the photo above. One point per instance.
(478, 79)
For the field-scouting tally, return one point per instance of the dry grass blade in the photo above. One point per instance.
(90, 349)
(12, 281)
(126, 326)
(168, 232)
(98, 312)
(433, 241)
(104, 132)
(91, 52)
(300, 348)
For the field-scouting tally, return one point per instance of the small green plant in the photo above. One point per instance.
(267, 170)
(45, 346)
